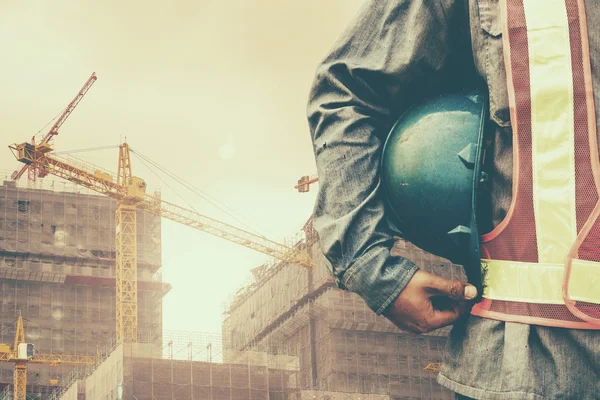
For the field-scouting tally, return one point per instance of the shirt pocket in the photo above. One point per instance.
(492, 48)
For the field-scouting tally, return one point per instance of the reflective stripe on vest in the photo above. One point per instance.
(541, 264)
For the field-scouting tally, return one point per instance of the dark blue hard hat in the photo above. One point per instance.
(431, 174)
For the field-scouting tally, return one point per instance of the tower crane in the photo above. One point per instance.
(32, 170)
(23, 353)
(130, 193)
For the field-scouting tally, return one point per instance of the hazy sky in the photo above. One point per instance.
(213, 90)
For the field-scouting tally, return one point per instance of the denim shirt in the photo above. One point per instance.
(392, 55)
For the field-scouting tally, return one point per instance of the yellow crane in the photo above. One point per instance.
(130, 193)
(32, 173)
(433, 367)
(23, 353)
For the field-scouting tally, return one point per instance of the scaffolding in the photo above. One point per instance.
(349, 365)
(191, 366)
(57, 270)
(182, 366)
(6, 394)
(342, 345)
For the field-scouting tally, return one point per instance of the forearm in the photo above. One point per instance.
(386, 60)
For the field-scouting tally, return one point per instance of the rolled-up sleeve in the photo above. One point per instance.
(393, 54)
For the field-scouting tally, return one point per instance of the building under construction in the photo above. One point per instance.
(195, 366)
(57, 270)
(342, 345)
(289, 334)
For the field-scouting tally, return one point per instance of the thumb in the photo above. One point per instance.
(453, 289)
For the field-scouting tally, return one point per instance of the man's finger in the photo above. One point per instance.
(453, 289)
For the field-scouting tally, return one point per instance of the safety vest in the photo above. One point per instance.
(541, 265)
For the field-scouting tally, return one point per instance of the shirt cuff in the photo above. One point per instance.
(379, 279)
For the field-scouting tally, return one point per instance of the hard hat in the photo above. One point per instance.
(430, 173)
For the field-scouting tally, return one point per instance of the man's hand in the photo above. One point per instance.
(430, 302)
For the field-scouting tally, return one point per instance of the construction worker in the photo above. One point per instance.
(539, 60)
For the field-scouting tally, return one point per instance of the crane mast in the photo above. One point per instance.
(32, 170)
(126, 249)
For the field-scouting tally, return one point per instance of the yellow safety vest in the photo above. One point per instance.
(541, 265)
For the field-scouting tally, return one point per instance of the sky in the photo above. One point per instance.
(214, 91)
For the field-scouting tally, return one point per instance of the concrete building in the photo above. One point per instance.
(195, 366)
(57, 269)
(342, 345)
